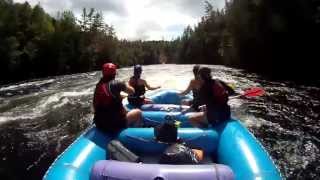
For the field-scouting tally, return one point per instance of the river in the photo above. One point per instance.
(40, 118)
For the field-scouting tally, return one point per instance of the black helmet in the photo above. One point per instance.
(137, 69)
(205, 73)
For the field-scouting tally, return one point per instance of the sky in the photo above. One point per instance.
(138, 19)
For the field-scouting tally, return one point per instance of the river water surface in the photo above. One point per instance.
(40, 118)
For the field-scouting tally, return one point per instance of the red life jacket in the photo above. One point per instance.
(103, 98)
(220, 94)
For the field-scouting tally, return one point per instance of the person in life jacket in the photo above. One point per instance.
(194, 86)
(214, 95)
(109, 113)
(138, 99)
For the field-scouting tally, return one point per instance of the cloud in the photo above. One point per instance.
(53, 6)
(114, 6)
(194, 8)
(145, 30)
(138, 19)
(176, 27)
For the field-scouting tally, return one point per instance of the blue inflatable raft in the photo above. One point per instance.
(232, 152)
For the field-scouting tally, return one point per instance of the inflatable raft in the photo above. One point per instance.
(231, 152)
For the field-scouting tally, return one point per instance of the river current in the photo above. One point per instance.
(40, 118)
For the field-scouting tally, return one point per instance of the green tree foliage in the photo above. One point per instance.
(33, 44)
(202, 43)
(148, 52)
(276, 38)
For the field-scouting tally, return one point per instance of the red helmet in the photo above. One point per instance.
(109, 69)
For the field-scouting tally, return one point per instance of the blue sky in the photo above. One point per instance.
(138, 19)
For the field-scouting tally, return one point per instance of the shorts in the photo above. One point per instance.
(193, 105)
(136, 101)
(110, 123)
(217, 114)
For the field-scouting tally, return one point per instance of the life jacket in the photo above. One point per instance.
(220, 94)
(109, 115)
(136, 99)
(196, 102)
(103, 98)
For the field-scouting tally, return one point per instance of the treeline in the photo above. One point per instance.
(275, 38)
(34, 44)
(146, 52)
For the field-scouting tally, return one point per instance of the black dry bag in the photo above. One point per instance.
(178, 154)
(166, 132)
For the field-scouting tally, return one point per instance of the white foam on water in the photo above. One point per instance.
(62, 103)
(34, 83)
(166, 76)
(41, 108)
(235, 103)
(5, 119)
(62, 97)
(168, 81)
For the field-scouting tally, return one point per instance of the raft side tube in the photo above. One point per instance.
(154, 118)
(244, 154)
(142, 140)
(106, 169)
(77, 160)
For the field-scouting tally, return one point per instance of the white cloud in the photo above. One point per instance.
(138, 19)
(114, 6)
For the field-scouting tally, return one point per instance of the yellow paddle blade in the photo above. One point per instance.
(177, 123)
(232, 85)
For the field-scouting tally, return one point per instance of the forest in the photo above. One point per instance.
(277, 39)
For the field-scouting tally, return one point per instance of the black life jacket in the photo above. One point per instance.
(214, 94)
(196, 99)
(220, 94)
(136, 99)
(139, 89)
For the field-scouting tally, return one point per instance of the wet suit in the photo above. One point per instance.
(110, 115)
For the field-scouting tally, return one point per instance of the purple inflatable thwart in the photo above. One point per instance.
(109, 169)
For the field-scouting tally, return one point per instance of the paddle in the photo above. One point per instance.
(251, 92)
(248, 93)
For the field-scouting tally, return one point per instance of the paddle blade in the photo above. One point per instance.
(231, 85)
(254, 92)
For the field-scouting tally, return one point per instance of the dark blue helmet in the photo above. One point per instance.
(205, 73)
(137, 69)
